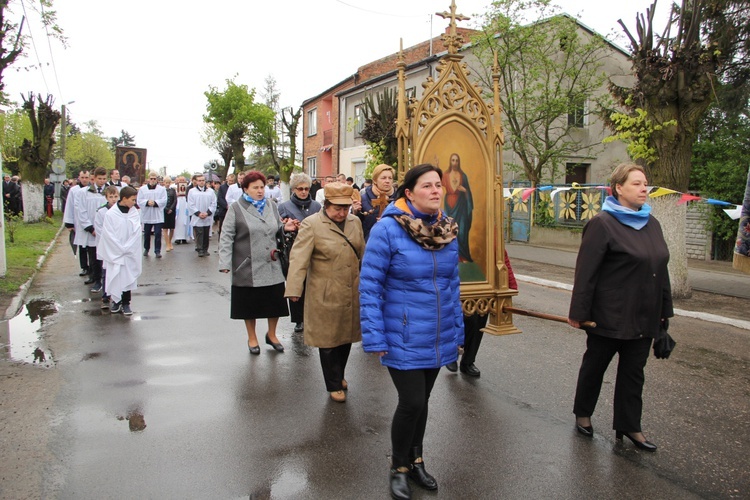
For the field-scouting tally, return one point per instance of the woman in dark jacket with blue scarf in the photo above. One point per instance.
(411, 311)
(299, 207)
(621, 284)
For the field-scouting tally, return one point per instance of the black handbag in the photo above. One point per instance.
(284, 242)
(664, 343)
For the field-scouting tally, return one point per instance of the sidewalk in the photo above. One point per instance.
(721, 293)
(705, 276)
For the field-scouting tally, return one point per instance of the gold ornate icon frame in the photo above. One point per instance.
(452, 126)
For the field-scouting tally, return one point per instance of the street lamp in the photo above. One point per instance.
(63, 123)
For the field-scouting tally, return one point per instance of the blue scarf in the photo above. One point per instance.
(625, 215)
(427, 218)
(258, 204)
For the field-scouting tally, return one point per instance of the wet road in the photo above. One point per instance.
(169, 404)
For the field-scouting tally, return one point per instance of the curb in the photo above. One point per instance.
(15, 305)
(713, 318)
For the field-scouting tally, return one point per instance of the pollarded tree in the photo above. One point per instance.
(36, 153)
(677, 72)
(551, 78)
(379, 131)
(234, 113)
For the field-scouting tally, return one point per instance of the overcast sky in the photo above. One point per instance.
(143, 65)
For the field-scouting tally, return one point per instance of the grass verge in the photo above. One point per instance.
(21, 256)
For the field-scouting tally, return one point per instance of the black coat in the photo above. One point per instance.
(621, 279)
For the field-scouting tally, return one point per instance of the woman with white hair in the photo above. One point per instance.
(299, 207)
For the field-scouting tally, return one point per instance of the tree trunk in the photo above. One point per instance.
(33, 202)
(673, 223)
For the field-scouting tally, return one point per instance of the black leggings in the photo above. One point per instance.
(409, 421)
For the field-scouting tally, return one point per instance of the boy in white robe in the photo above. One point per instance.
(201, 206)
(120, 250)
(112, 194)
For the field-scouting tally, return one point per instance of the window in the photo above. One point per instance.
(359, 119)
(312, 121)
(577, 113)
(576, 172)
(411, 93)
(312, 167)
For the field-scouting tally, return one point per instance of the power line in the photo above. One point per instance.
(376, 12)
(33, 44)
(51, 56)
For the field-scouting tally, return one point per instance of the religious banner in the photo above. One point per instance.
(131, 162)
(742, 248)
(453, 128)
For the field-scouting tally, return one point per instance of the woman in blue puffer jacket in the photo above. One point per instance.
(411, 310)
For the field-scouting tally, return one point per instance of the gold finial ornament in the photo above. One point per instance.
(452, 40)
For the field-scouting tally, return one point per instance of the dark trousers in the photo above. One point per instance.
(95, 265)
(333, 361)
(83, 258)
(410, 419)
(147, 228)
(201, 234)
(472, 337)
(633, 355)
(297, 309)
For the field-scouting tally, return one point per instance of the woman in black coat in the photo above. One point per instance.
(621, 284)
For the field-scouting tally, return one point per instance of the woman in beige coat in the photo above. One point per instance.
(327, 253)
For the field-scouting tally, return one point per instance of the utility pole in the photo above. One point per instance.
(63, 123)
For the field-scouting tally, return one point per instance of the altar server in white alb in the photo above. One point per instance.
(152, 198)
(87, 202)
(201, 206)
(120, 249)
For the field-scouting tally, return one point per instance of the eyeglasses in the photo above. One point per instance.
(302, 189)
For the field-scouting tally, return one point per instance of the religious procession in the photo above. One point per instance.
(353, 298)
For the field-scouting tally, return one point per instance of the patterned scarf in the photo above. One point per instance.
(258, 204)
(433, 236)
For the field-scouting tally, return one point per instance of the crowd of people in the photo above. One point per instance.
(378, 265)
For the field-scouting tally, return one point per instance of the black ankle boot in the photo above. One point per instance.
(417, 472)
(400, 485)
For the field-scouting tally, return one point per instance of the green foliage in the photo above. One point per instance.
(31, 241)
(125, 139)
(636, 131)
(379, 132)
(13, 222)
(542, 216)
(14, 128)
(550, 69)
(88, 150)
(234, 114)
(36, 154)
(721, 156)
(374, 156)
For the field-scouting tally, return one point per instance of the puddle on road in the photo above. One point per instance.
(19, 336)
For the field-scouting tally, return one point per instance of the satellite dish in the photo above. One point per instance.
(58, 165)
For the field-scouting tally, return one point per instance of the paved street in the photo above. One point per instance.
(168, 404)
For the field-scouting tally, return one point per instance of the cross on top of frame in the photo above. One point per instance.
(452, 40)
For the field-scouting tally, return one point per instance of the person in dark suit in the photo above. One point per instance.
(621, 284)
(9, 191)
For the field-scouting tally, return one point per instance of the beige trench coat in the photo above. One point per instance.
(321, 255)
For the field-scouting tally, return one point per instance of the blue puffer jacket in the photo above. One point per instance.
(409, 298)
